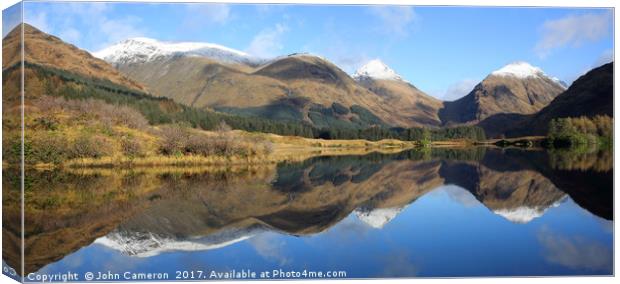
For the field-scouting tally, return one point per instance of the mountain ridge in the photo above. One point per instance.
(515, 88)
(48, 50)
(141, 49)
(300, 87)
(592, 93)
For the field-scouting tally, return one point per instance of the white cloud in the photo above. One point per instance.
(87, 25)
(576, 253)
(268, 42)
(201, 15)
(115, 30)
(270, 247)
(572, 30)
(395, 20)
(214, 13)
(344, 55)
(456, 90)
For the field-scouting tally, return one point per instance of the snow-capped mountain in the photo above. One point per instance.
(147, 244)
(525, 214)
(517, 88)
(376, 69)
(522, 70)
(140, 50)
(377, 218)
(519, 69)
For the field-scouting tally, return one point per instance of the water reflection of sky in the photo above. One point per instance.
(446, 232)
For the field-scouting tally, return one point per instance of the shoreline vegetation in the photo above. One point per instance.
(281, 149)
(73, 134)
(73, 122)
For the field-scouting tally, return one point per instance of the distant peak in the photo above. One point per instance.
(376, 69)
(519, 69)
(143, 49)
(522, 70)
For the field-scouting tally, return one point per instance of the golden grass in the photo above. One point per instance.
(160, 160)
(168, 169)
(452, 143)
(530, 138)
(285, 148)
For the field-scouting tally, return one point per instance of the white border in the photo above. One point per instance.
(504, 3)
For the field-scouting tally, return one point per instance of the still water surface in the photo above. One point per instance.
(434, 213)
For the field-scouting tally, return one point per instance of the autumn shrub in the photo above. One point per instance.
(89, 109)
(173, 139)
(48, 148)
(131, 147)
(90, 146)
(576, 131)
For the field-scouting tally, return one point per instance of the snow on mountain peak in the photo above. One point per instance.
(522, 70)
(519, 69)
(141, 49)
(376, 69)
(525, 214)
(520, 215)
(377, 218)
(146, 244)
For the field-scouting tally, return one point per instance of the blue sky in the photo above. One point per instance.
(442, 50)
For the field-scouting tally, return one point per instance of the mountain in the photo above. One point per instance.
(519, 195)
(404, 97)
(140, 50)
(377, 218)
(297, 87)
(294, 88)
(49, 51)
(139, 244)
(376, 69)
(518, 88)
(590, 95)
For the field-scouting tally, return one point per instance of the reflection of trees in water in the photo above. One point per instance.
(600, 160)
(588, 181)
(66, 211)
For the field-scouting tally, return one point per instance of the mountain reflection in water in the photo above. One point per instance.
(144, 214)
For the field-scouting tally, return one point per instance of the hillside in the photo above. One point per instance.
(203, 84)
(407, 100)
(75, 113)
(403, 96)
(135, 50)
(517, 88)
(49, 51)
(590, 95)
(297, 87)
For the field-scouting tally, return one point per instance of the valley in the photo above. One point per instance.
(82, 111)
(377, 141)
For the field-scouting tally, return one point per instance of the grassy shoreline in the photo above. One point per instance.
(291, 149)
(284, 148)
